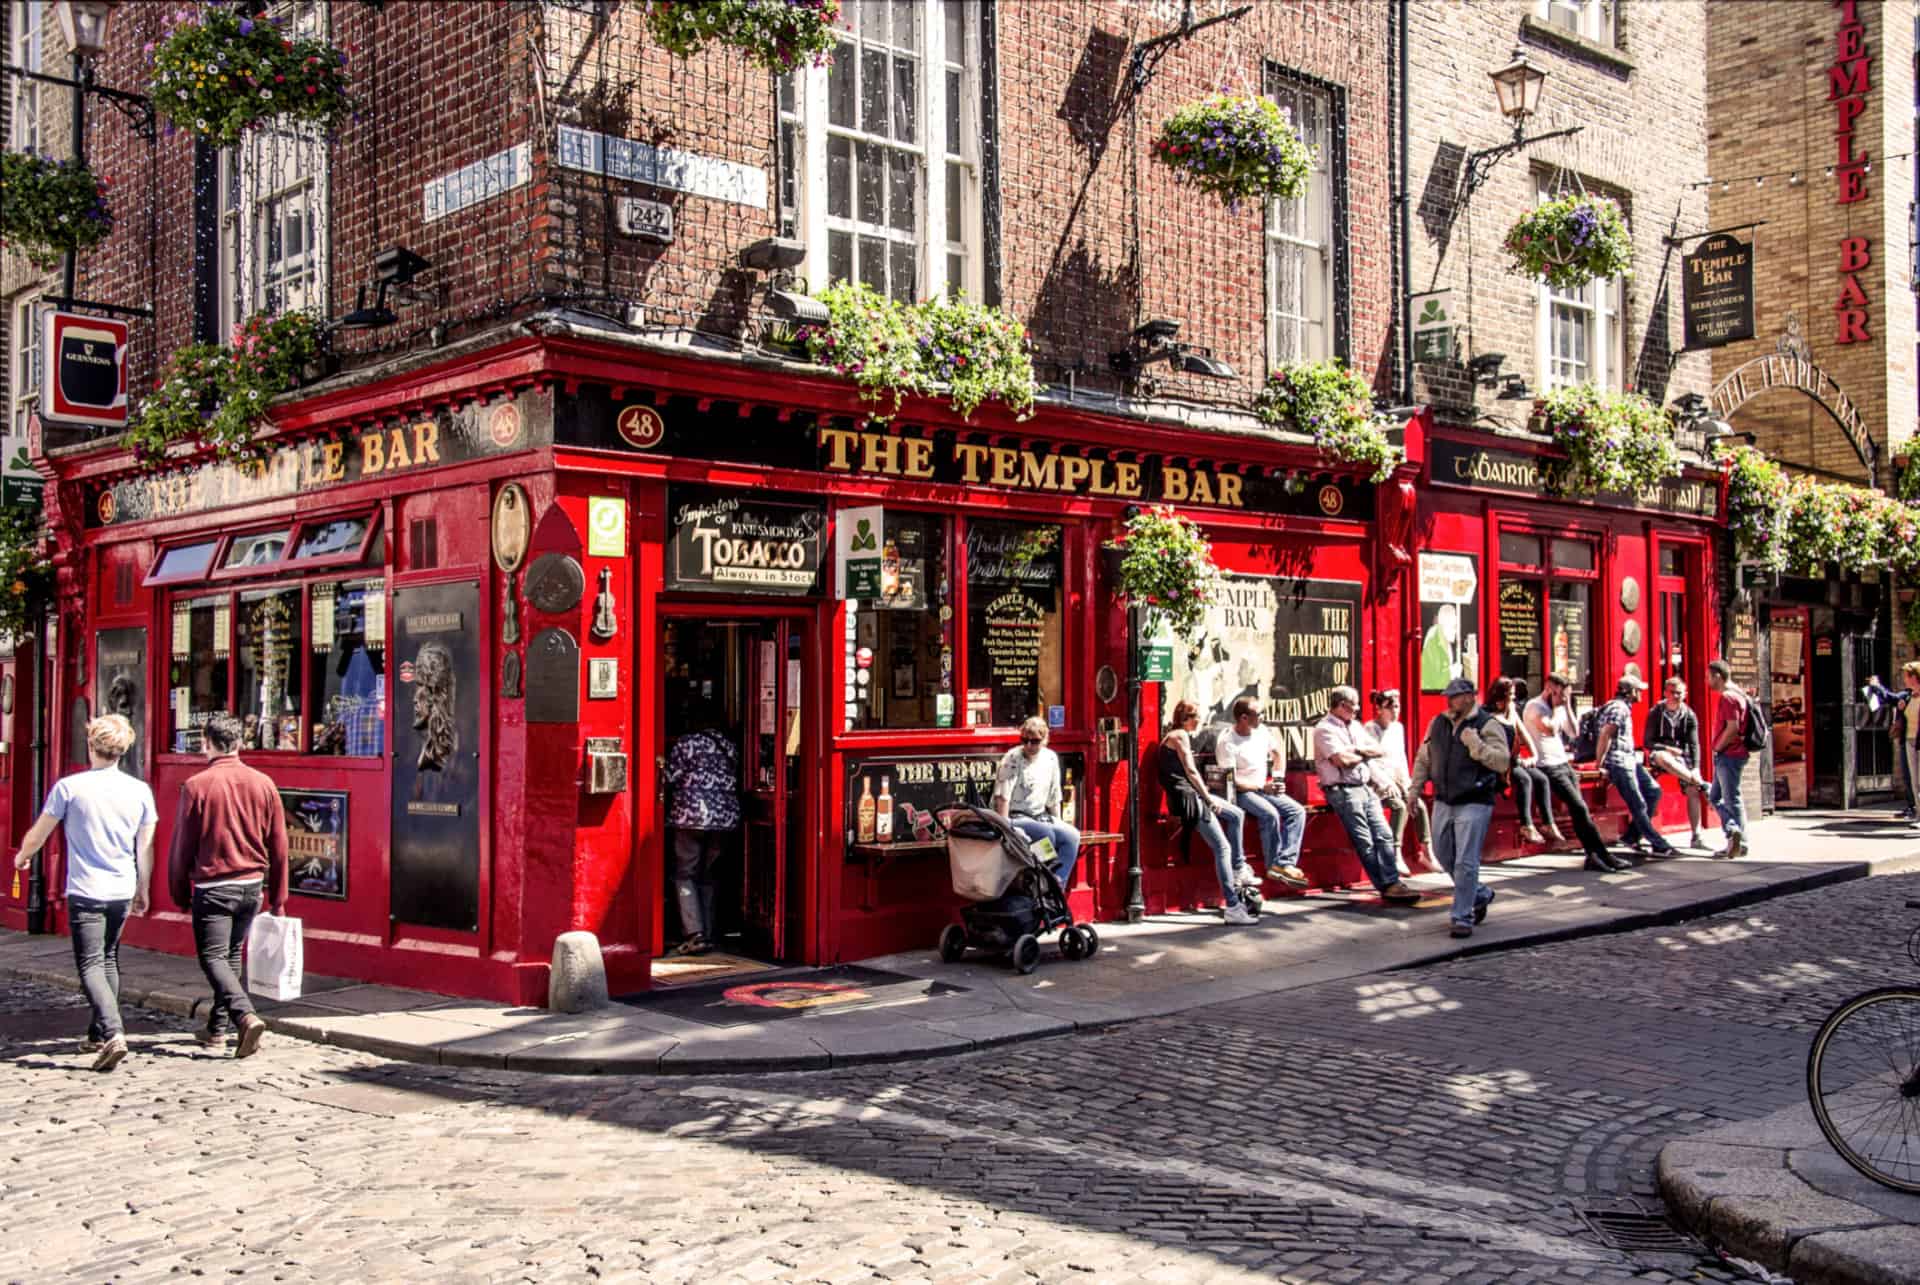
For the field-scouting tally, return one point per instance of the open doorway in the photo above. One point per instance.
(736, 805)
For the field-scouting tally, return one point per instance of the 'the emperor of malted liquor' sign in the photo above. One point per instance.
(1717, 298)
(86, 370)
(744, 544)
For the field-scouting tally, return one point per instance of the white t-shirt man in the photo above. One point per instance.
(1031, 786)
(102, 811)
(1247, 757)
(1552, 726)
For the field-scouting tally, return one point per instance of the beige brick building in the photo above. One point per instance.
(1812, 134)
(1627, 74)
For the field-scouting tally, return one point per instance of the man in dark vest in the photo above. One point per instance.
(1465, 754)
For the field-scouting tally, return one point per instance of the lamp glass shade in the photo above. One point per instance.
(84, 24)
(1518, 85)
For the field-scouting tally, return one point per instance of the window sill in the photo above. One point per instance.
(1609, 56)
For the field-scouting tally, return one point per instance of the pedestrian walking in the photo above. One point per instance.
(1529, 781)
(107, 819)
(703, 773)
(1629, 776)
(1673, 747)
(1392, 776)
(1732, 708)
(1549, 717)
(228, 861)
(1465, 754)
(1343, 759)
(1881, 697)
(1026, 790)
(1219, 823)
(1248, 754)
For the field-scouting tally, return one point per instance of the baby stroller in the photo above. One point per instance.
(1015, 896)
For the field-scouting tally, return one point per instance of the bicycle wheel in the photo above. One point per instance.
(1863, 1081)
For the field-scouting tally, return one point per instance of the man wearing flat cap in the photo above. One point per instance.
(1466, 755)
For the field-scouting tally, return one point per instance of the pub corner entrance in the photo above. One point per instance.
(742, 673)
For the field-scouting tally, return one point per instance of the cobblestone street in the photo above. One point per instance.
(1440, 1125)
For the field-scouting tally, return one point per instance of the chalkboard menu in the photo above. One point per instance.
(920, 787)
(726, 541)
(1013, 596)
(1743, 648)
(1520, 649)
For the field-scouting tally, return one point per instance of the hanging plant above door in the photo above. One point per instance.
(779, 35)
(218, 73)
(1571, 240)
(1235, 147)
(49, 207)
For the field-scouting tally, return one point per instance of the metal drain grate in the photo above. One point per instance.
(1639, 1233)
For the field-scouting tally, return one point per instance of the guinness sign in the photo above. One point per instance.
(86, 370)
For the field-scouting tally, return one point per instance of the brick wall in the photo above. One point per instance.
(1771, 114)
(1641, 105)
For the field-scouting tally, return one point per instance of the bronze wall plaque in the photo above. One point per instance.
(555, 583)
(1630, 594)
(553, 677)
(512, 527)
(1630, 637)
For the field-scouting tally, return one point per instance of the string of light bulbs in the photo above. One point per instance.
(1794, 178)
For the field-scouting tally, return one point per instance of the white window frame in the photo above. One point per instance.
(26, 49)
(1304, 229)
(808, 123)
(247, 206)
(26, 368)
(1602, 302)
(1589, 19)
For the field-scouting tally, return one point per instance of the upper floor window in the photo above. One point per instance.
(25, 52)
(880, 151)
(273, 208)
(1591, 19)
(1579, 333)
(1301, 234)
(23, 367)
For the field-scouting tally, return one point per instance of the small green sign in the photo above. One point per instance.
(1156, 653)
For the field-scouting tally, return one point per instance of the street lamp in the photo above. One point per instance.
(84, 24)
(1517, 86)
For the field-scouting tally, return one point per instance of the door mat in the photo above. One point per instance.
(691, 970)
(790, 992)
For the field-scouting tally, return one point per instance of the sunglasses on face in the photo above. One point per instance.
(1033, 740)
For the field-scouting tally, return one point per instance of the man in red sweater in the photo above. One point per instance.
(229, 857)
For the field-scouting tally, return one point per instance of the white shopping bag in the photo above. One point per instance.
(275, 957)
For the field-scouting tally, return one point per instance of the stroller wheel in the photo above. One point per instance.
(1089, 942)
(953, 943)
(1072, 946)
(1026, 953)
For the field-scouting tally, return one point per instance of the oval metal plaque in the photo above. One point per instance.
(555, 582)
(1630, 637)
(1630, 594)
(512, 527)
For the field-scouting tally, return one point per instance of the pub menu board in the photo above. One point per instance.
(920, 787)
(1790, 759)
(1013, 588)
(1743, 648)
(316, 842)
(723, 541)
(1521, 654)
(1286, 643)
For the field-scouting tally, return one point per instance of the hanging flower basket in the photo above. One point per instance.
(779, 35)
(218, 73)
(1235, 147)
(50, 207)
(1570, 241)
(1615, 443)
(26, 570)
(1166, 565)
(1756, 505)
(221, 396)
(1335, 405)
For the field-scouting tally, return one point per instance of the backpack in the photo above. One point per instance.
(1753, 732)
(1586, 745)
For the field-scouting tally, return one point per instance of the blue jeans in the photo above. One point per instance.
(1066, 844)
(1222, 834)
(1641, 795)
(1725, 794)
(1459, 830)
(1358, 808)
(1282, 822)
(95, 927)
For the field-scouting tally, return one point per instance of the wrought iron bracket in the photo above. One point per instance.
(1481, 164)
(137, 108)
(1148, 53)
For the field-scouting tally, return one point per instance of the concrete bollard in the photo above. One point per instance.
(577, 980)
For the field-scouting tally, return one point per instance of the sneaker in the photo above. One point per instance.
(89, 1045)
(1244, 877)
(1292, 876)
(1460, 930)
(1480, 911)
(1399, 892)
(1237, 914)
(111, 1053)
(252, 1029)
(207, 1039)
(1736, 847)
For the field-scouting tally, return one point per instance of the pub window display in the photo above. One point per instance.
(1545, 608)
(347, 667)
(199, 670)
(267, 687)
(903, 639)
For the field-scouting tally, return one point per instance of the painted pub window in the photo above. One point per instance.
(200, 664)
(267, 691)
(347, 667)
(1545, 610)
(902, 639)
(1014, 631)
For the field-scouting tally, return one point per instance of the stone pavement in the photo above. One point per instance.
(1167, 965)
(1459, 1124)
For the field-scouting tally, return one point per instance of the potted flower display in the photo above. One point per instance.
(1756, 504)
(1235, 147)
(50, 207)
(1166, 565)
(779, 35)
(221, 396)
(1615, 443)
(218, 73)
(1569, 241)
(978, 352)
(1335, 405)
